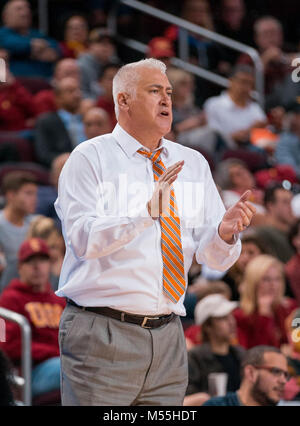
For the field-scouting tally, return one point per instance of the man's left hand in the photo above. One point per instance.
(237, 218)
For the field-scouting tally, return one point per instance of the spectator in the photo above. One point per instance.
(48, 194)
(45, 228)
(196, 292)
(6, 382)
(269, 40)
(31, 53)
(202, 51)
(263, 308)
(162, 49)
(189, 121)
(288, 147)
(233, 22)
(32, 297)
(100, 52)
(106, 101)
(278, 221)
(61, 131)
(44, 100)
(233, 114)
(264, 375)
(96, 123)
(252, 246)
(292, 268)
(234, 177)
(216, 354)
(75, 37)
(20, 191)
(17, 111)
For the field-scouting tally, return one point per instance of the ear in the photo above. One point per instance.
(250, 373)
(123, 101)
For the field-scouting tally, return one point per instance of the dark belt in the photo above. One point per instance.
(143, 321)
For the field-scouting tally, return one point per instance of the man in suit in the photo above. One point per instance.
(62, 130)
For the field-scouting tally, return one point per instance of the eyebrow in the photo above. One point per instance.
(159, 86)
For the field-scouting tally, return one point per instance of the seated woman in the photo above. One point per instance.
(263, 308)
(252, 246)
(75, 37)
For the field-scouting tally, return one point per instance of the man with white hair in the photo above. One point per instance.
(129, 249)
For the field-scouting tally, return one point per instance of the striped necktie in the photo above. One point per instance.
(171, 247)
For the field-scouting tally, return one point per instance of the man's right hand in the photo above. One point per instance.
(160, 200)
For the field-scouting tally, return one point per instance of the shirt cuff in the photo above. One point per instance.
(223, 243)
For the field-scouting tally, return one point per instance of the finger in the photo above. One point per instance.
(175, 169)
(245, 196)
(247, 211)
(245, 219)
(179, 164)
(250, 206)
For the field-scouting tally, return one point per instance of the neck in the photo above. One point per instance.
(16, 217)
(245, 396)
(273, 221)
(219, 348)
(144, 137)
(241, 102)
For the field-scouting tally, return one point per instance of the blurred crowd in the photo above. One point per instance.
(58, 93)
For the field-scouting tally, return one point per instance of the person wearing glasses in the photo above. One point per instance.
(264, 375)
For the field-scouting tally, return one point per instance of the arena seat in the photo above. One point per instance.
(15, 148)
(41, 174)
(254, 160)
(34, 84)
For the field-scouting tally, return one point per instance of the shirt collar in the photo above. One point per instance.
(68, 115)
(130, 145)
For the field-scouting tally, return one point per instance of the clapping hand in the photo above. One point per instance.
(237, 218)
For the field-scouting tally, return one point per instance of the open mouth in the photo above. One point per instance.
(164, 114)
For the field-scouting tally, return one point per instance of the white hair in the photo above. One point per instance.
(127, 77)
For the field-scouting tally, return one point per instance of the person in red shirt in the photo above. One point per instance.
(17, 110)
(263, 308)
(105, 101)
(31, 296)
(44, 100)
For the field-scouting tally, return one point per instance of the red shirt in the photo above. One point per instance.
(44, 101)
(109, 107)
(256, 329)
(42, 310)
(16, 106)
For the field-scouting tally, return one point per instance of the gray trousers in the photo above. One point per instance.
(108, 362)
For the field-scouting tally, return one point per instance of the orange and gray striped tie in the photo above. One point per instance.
(173, 263)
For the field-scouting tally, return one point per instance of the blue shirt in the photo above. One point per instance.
(19, 48)
(229, 400)
(74, 125)
(288, 151)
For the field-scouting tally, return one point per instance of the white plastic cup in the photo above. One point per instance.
(217, 384)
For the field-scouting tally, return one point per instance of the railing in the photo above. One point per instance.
(25, 380)
(188, 27)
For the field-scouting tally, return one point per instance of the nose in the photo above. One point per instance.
(165, 99)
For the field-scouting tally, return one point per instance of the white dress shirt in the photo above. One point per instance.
(113, 247)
